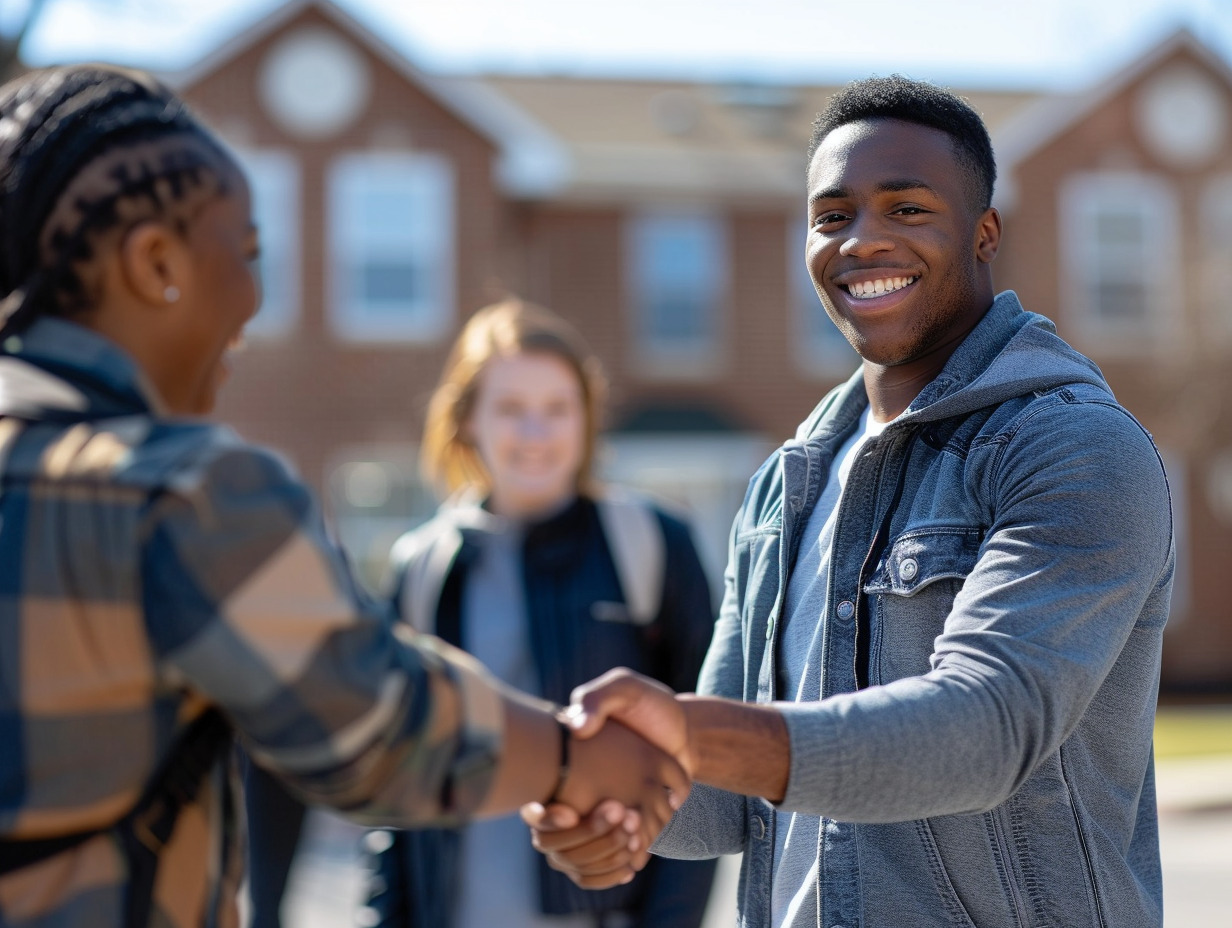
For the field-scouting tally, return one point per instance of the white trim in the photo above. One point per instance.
(1039, 123)
(1156, 265)
(429, 239)
(687, 358)
(276, 320)
(533, 162)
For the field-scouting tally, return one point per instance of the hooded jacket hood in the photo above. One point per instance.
(1010, 352)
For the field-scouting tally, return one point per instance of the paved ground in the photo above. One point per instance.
(1195, 798)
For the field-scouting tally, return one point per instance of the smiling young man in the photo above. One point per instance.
(938, 653)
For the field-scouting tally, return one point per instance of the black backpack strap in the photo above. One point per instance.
(145, 830)
(147, 827)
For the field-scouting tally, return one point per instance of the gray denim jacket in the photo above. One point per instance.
(997, 770)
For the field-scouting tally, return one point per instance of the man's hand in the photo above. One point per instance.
(610, 844)
(740, 747)
(596, 851)
(644, 705)
(612, 762)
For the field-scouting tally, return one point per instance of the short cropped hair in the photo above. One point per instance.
(922, 103)
(448, 460)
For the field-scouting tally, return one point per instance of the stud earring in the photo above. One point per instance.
(172, 293)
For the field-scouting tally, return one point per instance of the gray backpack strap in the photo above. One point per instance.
(427, 563)
(639, 552)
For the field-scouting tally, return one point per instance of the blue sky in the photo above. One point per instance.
(1036, 43)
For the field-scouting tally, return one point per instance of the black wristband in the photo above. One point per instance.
(563, 771)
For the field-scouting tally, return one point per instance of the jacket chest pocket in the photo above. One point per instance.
(911, 593)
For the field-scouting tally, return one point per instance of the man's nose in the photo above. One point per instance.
(865, 237)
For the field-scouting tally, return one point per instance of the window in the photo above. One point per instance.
(817, 346)
(1119, 253)
(678, 274)
(274, 181)
(391, 247)
(1216, 258)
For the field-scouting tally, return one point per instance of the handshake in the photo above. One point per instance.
(635, 750)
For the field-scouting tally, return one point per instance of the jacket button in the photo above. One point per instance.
(845, 610)
(908, 568)
(758, 827)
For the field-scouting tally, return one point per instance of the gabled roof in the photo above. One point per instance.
(532, 162)
(662, 139)
(1040, 123)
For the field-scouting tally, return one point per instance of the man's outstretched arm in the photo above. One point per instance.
(740, 747)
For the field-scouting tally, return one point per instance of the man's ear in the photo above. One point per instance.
(154, 263)
(987, 235)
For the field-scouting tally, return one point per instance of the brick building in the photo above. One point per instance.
(667, 220)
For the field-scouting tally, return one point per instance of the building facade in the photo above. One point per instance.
(667, 220)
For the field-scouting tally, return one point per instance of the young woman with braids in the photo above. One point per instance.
(163, 583)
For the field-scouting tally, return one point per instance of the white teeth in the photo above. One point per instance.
(870, 288)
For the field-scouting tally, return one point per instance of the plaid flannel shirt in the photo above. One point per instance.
(151, 567)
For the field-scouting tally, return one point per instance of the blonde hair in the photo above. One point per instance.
(448, 460)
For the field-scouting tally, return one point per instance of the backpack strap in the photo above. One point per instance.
(639, 551)
(146, 828)
(423, 566)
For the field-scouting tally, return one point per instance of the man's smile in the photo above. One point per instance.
(867, 289)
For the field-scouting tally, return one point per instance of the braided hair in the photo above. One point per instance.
(87, 152)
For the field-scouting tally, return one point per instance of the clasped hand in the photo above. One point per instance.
(614, 804)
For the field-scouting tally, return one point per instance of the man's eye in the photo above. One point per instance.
(910, 211)
(825, 219)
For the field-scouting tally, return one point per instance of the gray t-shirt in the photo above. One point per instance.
(500, 868)
(794, 899)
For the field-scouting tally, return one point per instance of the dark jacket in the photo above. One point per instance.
(571, 589)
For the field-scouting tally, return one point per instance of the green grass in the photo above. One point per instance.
(1193, 731)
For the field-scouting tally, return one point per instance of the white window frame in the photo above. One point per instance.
(692, 358)
(820, 354)
(1157, 264)
(275, 184)
(427, 179)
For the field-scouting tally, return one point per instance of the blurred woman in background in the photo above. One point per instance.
(549, 580)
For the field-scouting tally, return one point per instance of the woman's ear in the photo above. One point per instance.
(154, 263)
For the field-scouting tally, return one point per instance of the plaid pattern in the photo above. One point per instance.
(151, 567)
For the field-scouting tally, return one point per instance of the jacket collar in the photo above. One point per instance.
(1010, 352)
(57, 369)
(467, 511)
